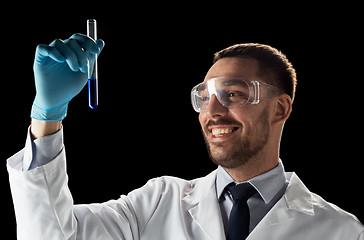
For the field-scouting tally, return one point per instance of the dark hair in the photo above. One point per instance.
(274, 66)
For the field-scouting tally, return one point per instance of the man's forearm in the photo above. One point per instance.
(43, 128)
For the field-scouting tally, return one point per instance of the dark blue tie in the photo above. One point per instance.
(238, 228)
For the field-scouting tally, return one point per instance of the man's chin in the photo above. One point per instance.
(221, 156)
(230, 156)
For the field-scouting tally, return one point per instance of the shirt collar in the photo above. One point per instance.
(267, 184)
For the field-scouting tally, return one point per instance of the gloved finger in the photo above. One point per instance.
(67, 52)
(86, 43)
(100, 44)
(43, 51)
(80, 53)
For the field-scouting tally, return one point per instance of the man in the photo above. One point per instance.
(243, 103)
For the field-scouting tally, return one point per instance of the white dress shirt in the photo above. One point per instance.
(270, 188)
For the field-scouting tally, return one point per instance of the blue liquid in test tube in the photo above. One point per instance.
(93, 82)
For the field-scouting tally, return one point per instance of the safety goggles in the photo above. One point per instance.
(231, 92)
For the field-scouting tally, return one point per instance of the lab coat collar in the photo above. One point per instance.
(297, 196)
(205, 210)
(267, 184)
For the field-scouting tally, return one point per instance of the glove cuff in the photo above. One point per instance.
(55, 114)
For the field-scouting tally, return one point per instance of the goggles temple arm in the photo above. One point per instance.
(257, 92)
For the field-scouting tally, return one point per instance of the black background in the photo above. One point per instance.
(145, 126)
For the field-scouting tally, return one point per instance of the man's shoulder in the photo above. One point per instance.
(175, 186)
(181, 184)
(318, 210)
(324, 209)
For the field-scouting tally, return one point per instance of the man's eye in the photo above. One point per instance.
(236, 96)
(205, 98)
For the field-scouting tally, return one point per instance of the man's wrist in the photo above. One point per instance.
(41, 128)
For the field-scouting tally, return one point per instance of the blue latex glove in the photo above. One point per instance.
(60, 73)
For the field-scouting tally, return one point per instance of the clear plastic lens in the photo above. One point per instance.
(230, 92)
(196, 99)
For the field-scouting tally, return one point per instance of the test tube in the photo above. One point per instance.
(93, 82)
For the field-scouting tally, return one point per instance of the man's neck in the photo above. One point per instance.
(259, 164)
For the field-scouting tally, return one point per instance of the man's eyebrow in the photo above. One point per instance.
(231, 82)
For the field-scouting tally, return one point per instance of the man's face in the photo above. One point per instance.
(233, 136)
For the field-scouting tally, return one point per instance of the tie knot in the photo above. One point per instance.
(242, 191)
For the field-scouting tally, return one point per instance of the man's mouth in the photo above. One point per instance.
(221, 131)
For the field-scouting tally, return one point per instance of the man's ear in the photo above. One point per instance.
(283, 108)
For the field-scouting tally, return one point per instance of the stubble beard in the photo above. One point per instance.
(244, 149)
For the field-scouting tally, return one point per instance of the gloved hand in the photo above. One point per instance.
(60, 73)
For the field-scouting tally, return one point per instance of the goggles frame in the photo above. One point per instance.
(257, 91)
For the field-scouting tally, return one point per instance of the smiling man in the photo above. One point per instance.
(243, 103)
(239, 136)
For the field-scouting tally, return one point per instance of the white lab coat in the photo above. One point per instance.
(166, 208)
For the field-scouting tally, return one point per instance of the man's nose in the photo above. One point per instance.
(215, 108)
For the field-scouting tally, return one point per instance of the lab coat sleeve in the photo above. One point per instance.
(124, 218)
(42, 201)
(44, 206)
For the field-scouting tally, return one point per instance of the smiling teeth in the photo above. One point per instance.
(219, 132)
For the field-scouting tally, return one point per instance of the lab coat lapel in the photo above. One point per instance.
(296, 199)
(205, 209)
